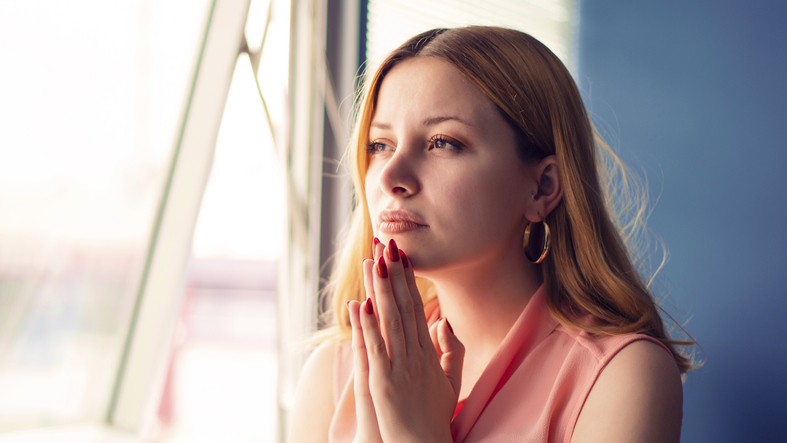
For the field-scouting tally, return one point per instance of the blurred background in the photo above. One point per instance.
(93, 94)
(694, 94)
(170, 194)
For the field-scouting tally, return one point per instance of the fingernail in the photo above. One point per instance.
(368, 306)
(382, 269)
(393, 250)
(449, 326)
(405, 263)
(374, 244)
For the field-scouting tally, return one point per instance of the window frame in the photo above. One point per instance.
(142, 369)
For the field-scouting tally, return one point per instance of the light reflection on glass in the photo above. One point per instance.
(91, 93)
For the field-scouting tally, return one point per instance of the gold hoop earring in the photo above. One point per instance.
(545, 248)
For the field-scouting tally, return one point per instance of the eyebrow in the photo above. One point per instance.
(431, 121)
(378, 125)
(435, 120)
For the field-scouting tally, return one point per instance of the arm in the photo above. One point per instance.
(310, 417)
(638, 397)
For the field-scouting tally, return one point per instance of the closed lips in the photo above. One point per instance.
(400, 217)
(400, 222)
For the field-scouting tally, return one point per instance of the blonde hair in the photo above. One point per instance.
(589, 268)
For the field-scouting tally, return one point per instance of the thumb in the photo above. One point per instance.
(435, 340)
(453, 354)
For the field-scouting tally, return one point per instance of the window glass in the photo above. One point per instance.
(91, 92)
(225, 347)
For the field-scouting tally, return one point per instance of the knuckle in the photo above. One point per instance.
(362, 374)
(408, 307)
(378, 348)
(418, 305)
(394, 325)
(363, 394)
(389, 391)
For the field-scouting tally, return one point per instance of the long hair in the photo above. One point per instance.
(590, 269)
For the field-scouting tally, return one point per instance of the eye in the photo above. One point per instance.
(376, 147)
(442, 142)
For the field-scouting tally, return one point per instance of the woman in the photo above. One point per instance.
(475, 155)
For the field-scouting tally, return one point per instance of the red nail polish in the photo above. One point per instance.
(374, 244)
(449, 326)
(405, 263)
(382, 269)
(368, 306)
(393, 250)
(348, 304)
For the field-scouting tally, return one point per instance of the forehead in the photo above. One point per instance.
(427, 87)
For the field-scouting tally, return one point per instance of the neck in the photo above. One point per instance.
(483, 300)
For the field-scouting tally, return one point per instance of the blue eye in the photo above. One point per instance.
(442, 142)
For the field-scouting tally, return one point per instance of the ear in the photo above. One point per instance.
(547, 192)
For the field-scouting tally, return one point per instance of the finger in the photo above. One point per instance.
(388, 312)
(377, 248)
(453, 354)
(402, 296)
(368, 282)
(422, 327)
(376, 351)
(435, 340)
(364, 407)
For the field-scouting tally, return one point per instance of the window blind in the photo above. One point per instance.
(391, 22)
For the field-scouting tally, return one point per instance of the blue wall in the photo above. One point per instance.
(696, 94)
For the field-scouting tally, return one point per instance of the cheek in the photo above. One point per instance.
(484, 203)
(372, 192)
(370, 182)
(468, 189)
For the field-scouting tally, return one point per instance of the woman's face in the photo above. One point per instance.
(444, 178)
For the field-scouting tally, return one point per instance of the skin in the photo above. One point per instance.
(476, 201)
(443, 153)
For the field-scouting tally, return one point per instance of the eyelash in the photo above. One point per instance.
(373, 147)
(457, 146)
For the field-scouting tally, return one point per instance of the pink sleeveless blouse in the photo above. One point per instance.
(532, 390)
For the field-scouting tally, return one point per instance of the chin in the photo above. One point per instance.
(424, 266)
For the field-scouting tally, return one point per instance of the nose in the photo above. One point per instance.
(398, 177)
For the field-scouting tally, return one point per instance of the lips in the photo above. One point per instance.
(399, 222)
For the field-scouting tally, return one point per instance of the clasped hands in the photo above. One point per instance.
(407, 375)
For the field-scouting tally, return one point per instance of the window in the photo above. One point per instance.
(391, 22)
(91, 92)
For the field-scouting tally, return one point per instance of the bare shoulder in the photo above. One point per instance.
(638, 397)
(314, 397)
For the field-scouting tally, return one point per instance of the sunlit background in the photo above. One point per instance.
(88, 120)
(87, 125)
